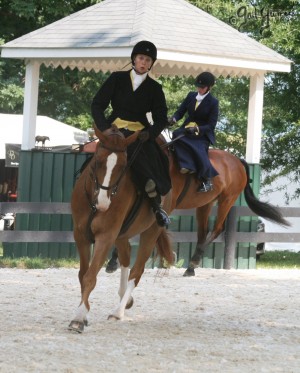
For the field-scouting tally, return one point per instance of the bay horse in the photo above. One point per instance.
(233, 179)
(102, 200)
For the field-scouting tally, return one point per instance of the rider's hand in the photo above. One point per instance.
(143, 136)
(192, 131)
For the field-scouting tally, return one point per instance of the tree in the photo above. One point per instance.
(70, 102)
(275, 24)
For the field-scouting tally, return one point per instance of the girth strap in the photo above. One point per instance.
(185, 189)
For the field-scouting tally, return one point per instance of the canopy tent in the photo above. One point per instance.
(188, 39)
(59, 133)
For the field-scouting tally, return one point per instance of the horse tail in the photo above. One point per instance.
(262, 209)
(164, 247)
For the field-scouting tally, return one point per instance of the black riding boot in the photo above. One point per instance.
(161, 216)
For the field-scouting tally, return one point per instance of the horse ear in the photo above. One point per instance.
(99, 134)
(132, 138)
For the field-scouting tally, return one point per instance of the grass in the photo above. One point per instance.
(38, 263)
(279, 260)
(269, 260)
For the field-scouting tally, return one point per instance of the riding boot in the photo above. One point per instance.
(161, 216)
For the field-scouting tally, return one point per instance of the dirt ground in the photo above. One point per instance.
(218, 321)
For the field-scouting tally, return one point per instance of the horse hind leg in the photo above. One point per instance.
(224, 206)
(126, 286)
(124, 259)
(148, 239)
(202, 216)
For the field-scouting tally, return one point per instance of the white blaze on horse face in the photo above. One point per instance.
(103, 200)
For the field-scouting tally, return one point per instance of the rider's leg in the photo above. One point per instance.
(161, 216)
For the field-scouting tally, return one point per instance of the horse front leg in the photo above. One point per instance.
(146, 246)
(88, 283)
(124, 250)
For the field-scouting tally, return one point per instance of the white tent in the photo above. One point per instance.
(11, 128)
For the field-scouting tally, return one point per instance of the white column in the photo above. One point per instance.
(30, 104)
(255, 112)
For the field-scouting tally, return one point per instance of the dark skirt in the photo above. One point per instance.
(150, 163)
(192, 153)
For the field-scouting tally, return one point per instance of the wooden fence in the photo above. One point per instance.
(230, 237)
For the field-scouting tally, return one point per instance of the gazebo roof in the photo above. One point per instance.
(188, 39)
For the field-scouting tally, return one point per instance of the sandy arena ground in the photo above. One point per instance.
(218, 321)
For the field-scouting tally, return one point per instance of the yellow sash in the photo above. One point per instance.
(191, 124)
(131, 126)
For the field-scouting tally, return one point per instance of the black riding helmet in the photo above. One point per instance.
(205, 79)
(144, 47)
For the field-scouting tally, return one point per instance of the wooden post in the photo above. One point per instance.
(230, 238)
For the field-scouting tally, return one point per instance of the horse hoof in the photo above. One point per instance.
(111, 267)
(129, 304)
(189, 272)
(113, 317)
(77, 326)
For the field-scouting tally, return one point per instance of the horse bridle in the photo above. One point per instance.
(114, 186)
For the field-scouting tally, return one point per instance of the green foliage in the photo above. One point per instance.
(176, 88)
(282, 158)
(276, 25)
(11, 98)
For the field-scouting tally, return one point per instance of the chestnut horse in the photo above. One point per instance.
(103, 198)
(233, 179)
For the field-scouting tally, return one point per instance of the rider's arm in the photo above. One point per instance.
(182, 109)
(101, 101)
(159, 112)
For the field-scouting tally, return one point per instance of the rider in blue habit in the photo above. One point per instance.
(198, 129)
